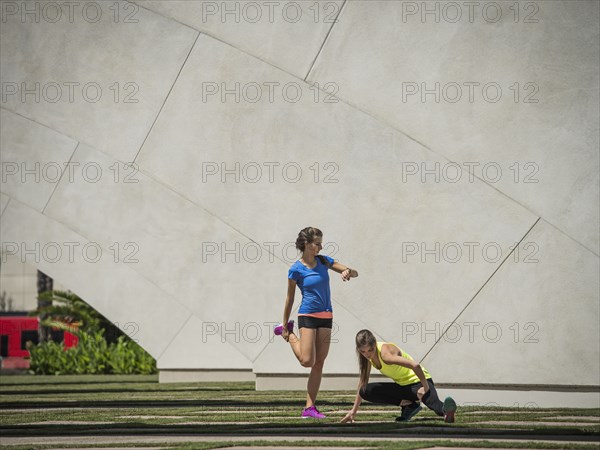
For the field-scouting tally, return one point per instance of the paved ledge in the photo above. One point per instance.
(484, 394)
(204, 375)
(507, 395)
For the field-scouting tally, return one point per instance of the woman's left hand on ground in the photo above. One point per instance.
(348, 418)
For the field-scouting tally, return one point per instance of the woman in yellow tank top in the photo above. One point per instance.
(411, 384)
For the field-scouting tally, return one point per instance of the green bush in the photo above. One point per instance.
(92, 355)
(127, 357)
(48, 358)
(95, 353)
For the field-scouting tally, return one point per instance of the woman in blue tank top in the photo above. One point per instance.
(315, 316)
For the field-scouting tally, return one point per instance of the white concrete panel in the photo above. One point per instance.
(12, 278)
(33, 159)
(18, 282)
(286, 34)
(526, 400)
(4, 200)
(96, 71)
(184, 250)
(297, 382)
(535, 322)
(195, 347)
(148, 314)
(371, 217)
(202, 376)
(13, 267)
(541, 129)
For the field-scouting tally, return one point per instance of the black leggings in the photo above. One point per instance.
(393, 394)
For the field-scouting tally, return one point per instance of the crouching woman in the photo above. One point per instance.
(411, 383)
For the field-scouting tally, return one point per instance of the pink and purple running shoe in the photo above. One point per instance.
(312, 412)
(279, 328)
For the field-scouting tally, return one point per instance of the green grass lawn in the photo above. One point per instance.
(138, 405)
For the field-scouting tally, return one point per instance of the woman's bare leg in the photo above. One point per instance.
(304, 349)
(322, 341)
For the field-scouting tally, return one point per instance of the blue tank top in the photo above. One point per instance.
(314, 285)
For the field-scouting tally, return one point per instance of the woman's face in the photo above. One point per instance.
(368, 351)
(315, 246)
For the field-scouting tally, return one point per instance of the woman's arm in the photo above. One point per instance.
(393, 355)
(346, 271)
(349, 417)
(287, 310)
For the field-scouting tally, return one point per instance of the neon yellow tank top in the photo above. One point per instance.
(401, 375)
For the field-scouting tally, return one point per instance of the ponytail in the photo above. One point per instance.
(364, 338)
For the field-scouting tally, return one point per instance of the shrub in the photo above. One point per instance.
(92, 355)
(126, 357)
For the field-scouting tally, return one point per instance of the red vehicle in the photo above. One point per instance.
(16, 329)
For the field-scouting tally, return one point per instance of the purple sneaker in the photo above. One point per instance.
(279, 328)
(312, 412)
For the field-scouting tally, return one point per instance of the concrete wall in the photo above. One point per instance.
(19, 284)
(448, 152)
(18, 281)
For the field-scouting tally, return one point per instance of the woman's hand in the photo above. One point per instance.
(348, 418)
(285, 334)
(346, 275)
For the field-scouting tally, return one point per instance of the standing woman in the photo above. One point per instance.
(315, 316)
(411, 382)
